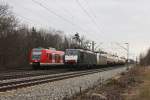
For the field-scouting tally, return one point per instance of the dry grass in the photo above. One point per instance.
(123, 87)
(141, 92)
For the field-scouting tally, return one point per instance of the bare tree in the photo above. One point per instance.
(7, 20)
(145, 60)
(16, 40)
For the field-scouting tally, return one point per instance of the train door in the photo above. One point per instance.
(61, 58)
(47, 58)
(53, 58)
(57, 58)
(50, 58)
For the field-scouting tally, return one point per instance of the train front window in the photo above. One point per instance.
(36, 55)
(71, 52)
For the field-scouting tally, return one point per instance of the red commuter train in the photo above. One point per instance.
(45, 57)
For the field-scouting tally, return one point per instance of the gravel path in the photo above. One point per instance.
(59, 89)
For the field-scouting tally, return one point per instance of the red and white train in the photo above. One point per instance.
(44, 57)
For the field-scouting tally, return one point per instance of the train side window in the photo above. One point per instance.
(50, 56)
(56, 56)
(47, 54)
(59, 57)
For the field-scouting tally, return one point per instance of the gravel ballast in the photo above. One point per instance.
(59, 89)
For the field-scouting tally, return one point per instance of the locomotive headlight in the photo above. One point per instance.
(36, 61)
(71, 57)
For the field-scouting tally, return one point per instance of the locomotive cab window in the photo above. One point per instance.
(36, 54)
(71, 52)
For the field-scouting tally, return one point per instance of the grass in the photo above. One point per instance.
(142, 92)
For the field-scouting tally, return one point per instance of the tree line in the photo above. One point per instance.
(16, 40)
(145, 59)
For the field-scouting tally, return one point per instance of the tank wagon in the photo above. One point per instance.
(101, 59)
(45, 57)
(122, 60)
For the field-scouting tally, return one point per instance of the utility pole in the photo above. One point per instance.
(93, 45)
(127, 55)
(136, 60)
(98, 46)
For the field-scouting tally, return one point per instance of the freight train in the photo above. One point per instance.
(74, 57)
(87, 58)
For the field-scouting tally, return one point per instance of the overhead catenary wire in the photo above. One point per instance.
(28, 20)
(86, 12)
(92, 13)
(91, 18)
(61, 17)
(31, 21)
(48, 9)
(90, 8)
(65, 10)
(121, 46)
(71, 15)
(25, 18)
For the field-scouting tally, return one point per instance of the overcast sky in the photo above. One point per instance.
(104, 21)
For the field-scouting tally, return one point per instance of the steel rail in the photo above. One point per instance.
(13, 75)
(29, 81)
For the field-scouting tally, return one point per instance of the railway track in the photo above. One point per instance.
(10, 84)
(23, 74)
